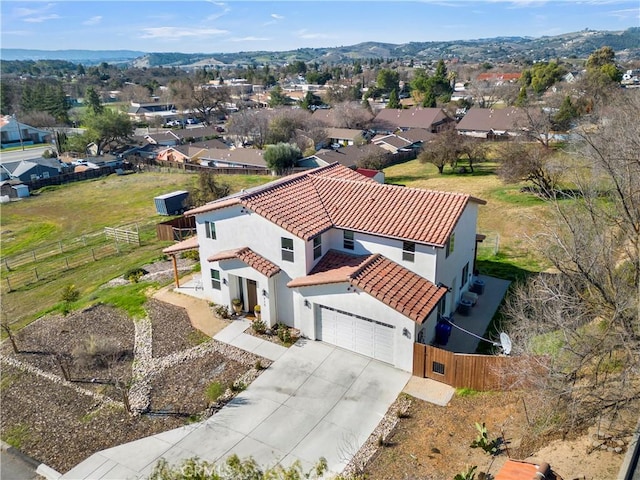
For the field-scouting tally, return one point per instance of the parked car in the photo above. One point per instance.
(192, 121)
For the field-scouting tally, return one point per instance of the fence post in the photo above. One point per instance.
(93, 254)
(8, 283)
(6, 264)
(34, 255)
(497, 244)
(60, 243)
(66, 259)
(36, 271)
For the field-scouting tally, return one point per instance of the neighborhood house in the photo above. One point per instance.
(346, 260)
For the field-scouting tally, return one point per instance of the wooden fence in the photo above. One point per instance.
(123, 235)
(461, 370)
(70, 177)
(177, 229)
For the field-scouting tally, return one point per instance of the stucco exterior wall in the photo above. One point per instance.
(337, 296)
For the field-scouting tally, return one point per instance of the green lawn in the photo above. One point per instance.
(70, 211)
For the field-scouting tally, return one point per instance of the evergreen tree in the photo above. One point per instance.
(394, 101)
(92, 100)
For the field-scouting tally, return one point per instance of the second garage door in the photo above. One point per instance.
(353, 332)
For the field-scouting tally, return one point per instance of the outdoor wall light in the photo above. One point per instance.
(264, 293)
(406, 333)
(224, 281)
(307, 304)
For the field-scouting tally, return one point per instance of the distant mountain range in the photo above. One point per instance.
(625, 43)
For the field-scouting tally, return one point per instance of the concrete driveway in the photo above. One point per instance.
(314, 401)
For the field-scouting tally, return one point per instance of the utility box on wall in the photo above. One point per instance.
(171, 203)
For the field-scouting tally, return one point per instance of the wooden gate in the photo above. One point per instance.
(460, 370)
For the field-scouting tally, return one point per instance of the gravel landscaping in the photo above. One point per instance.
(166, 362)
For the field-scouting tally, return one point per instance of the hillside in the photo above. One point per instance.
(499, 49)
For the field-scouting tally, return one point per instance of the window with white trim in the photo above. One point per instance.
(317, 247)
(287, 249)
(215, 279)
(408, 251)
(348, 242)
(451, 244)
(210, 230)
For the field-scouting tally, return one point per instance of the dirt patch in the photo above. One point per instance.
(61, 423)
(433, 442)
(165, 318)
(178, 394)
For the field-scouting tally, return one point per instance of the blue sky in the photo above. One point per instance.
(232, 26)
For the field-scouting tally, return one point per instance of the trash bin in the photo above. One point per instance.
(477, 286)
(464, 307)
(443, 331)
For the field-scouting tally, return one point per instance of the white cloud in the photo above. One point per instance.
(250, 39)
(93, 20)
(36, 15)
(180, 32)
(628, 13)
(277, 17)
(41, 18)
(312, 36)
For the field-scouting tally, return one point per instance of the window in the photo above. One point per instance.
(210, 229)
(451, 244)
(317, 247)
(408, 251)
(348, 242)
(465, 275)
(287, 249)
(437, 367)
(215, 279)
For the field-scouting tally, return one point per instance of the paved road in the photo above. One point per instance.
(26, 154)
(14, 465)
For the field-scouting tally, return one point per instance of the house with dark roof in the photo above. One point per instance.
(349, 156)
(32, 169)
(430, 119)
(493, 123)
(361, 265)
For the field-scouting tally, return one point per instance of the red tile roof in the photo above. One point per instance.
(248, 256)
(188, 244)
(367, 172)
(392, 284)
(309, 203)
(515, 470)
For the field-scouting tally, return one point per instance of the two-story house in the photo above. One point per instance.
(342, 258)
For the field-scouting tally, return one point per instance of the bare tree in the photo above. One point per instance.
(522, 161)
(351, 115)
(443, 150)
(250, 126)
(206, 101)
(583, 322)
(135, 93)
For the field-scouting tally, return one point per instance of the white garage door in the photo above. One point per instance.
(353, 332)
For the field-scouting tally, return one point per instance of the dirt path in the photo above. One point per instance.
(199, 311)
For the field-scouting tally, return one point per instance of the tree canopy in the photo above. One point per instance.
(281, 157)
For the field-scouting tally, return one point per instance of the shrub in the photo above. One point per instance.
(222, 311)
(238, 386)
(482, 440)
(284, 334)
(191, 255)
(259, 326)
(213, 391)
(98, 352)
(134, 274)
(70, 294)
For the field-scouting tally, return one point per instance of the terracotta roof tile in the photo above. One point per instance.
(308, 203)
(392, 284)
(188, 244)
(248, 256)
(516, 470)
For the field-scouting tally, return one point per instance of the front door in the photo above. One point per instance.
(252, 294)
